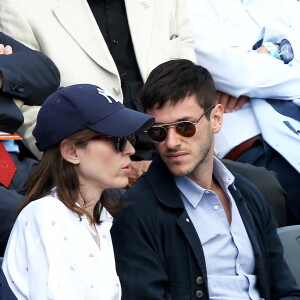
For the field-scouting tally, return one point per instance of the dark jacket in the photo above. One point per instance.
(28, 75)
(159, 254)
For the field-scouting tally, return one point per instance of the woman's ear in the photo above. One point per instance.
(68, 151)
(217, 118)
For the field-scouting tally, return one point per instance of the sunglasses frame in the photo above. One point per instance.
(118, 142)
(166, 126)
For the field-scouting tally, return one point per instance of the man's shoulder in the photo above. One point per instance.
(143, 200)
(141, 193)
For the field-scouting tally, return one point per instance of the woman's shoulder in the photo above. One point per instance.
(45, 206)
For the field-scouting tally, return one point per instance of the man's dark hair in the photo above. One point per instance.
(175, 80)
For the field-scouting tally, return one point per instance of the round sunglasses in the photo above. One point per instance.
(158, 133)
(118, 142)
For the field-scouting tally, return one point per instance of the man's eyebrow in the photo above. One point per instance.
(187, 118)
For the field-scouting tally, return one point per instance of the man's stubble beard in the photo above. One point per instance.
(204, 156)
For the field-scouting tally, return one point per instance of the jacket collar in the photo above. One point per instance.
(166, 193)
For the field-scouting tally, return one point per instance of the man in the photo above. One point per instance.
(114, 44)
(26, 76)
(191, 229)
(252, 50)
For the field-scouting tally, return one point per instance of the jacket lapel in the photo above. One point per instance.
(252, 234)
(140, 19)
(192, 237)
(78, 20)
(168, 194)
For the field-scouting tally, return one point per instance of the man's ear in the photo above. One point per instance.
(216, 118)
(68, 151)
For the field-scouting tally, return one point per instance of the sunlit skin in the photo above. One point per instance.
(193, 156)
(99, 167)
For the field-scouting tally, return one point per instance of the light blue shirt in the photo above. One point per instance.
(228, 252)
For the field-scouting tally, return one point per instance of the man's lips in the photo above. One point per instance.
(176, 155)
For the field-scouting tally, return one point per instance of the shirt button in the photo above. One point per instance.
(187, 219)
(216, 207)
(13, 86)
(199, 280)
(206, 192)
(199, 294)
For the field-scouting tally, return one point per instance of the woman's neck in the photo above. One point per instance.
(88, 199)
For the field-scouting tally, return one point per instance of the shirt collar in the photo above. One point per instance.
(194, 193)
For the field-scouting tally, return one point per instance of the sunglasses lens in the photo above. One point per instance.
(120, 142)
(157, 134)
(132, 139)
(185, 129)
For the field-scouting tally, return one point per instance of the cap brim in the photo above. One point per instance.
(123, 123)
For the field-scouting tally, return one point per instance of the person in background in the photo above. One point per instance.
(26, 76)
(252, 50)
(198, 231)
(60, 246)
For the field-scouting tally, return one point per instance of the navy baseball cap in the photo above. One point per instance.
(76, 107)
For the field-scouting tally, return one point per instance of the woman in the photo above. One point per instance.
(60, 246)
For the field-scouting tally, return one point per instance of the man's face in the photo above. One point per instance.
(185, 156)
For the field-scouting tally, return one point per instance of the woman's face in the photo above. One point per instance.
(101, 166)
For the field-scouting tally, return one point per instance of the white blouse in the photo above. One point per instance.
(51, 254)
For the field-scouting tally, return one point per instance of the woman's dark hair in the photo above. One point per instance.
(175, 80)
(53, 171)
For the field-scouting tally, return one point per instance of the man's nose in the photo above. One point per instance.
(173, 139)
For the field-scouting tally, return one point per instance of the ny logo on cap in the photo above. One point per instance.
(107, 95)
